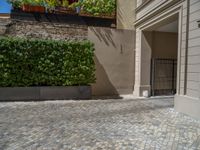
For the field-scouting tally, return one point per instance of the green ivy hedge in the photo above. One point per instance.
(25, 63)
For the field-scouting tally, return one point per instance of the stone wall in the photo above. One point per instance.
(53, 26)
(4, 22)
(46, 30)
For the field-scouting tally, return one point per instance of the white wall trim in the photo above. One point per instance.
(160, 17)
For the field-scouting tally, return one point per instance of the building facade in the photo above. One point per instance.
(155, 50)
(157, 23)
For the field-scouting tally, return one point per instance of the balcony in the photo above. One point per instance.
(87, 12)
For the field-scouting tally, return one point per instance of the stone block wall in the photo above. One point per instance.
(46, 30)
(4, 22)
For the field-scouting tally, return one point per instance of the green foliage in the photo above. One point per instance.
(19, 3)
(52, 3)
(34, 2)
(97, 7)
(15, 3)
(65, 3)
(92, 7)
(25, 62)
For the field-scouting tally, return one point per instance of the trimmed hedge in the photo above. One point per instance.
(25, 63)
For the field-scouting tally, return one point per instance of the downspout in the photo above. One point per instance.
(187, 46)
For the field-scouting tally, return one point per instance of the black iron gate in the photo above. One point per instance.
(163, 76)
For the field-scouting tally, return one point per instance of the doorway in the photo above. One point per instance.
(160, 49)
(164, 58)
(164, 76)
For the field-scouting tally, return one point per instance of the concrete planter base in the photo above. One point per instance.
(45, 93)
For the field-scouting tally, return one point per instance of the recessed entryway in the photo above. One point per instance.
(161, 42)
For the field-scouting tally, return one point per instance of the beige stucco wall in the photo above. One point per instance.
(126, 14)
(165, 45)
(114, 58)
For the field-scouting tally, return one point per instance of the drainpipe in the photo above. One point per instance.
(186, 45)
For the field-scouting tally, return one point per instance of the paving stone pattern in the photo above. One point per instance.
(98, 124)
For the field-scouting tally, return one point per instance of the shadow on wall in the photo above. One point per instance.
(114, 58)
(103, 36)
(103, 85)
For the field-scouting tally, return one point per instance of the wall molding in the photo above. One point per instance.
(140, 7)
(162, 8)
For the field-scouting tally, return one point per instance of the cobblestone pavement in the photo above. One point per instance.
(100, 124)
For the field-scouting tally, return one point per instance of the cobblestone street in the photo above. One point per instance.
(98, 124)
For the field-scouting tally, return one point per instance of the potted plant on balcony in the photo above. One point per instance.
(16, 4)
(33, 6)
(97, 8)
(64, 7)
(51, 5)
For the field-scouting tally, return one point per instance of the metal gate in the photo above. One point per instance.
(163, 77)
